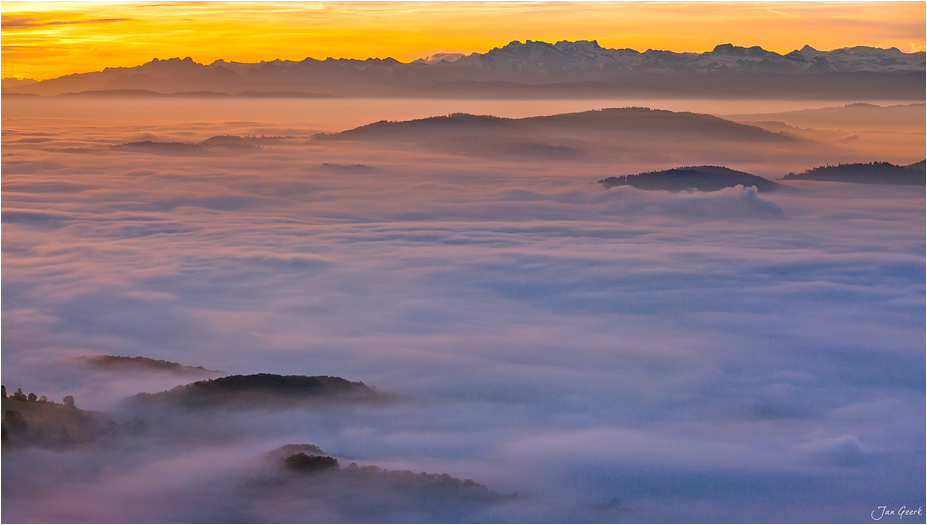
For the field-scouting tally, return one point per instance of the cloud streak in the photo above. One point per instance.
(25, 22)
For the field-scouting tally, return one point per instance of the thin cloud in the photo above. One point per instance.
(22, 22)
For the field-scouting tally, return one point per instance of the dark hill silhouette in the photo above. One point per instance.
(278, 455)
(134, 93)
(38, 422)
(344, 168)
(218, 145)
(116, 362)
(853, 116)
(631, 121)
(702, 178)
(368, 493)
(282, 94)
(585, 136)
(111, 93)
(305, 464)
(162, 148)
(264, 390)
(871, 173)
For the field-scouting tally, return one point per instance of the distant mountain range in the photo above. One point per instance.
(525, 70)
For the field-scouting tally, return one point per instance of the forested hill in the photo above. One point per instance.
(262, 389)
(871, 173)
(701, 178)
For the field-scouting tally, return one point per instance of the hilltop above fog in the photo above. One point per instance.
(582, 136)
(292, 483)
(701, 178)
(870, 173)
(635, 120)
(713, 178)
(258, 389)
(526, 70)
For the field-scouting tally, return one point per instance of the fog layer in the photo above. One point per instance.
(723, 356)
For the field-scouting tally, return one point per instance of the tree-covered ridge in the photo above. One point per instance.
(258, 389)
(702, 178)
(139, 362)
(302, 480)
(306, 458)
(305, 463)
(20, 396)
(280, 454)
(32, 421)
(605, 122)
(868, 173)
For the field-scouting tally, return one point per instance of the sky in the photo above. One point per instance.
(609, 354)
(48, 39)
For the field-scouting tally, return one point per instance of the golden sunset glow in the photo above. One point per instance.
(49, 39)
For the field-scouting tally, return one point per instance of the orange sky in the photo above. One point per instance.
(48, 39)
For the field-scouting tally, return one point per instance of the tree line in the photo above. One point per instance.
(68, 401)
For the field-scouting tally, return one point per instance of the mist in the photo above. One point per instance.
(587, 354)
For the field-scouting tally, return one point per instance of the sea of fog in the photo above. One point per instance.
(330, 115)
(701, 357)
